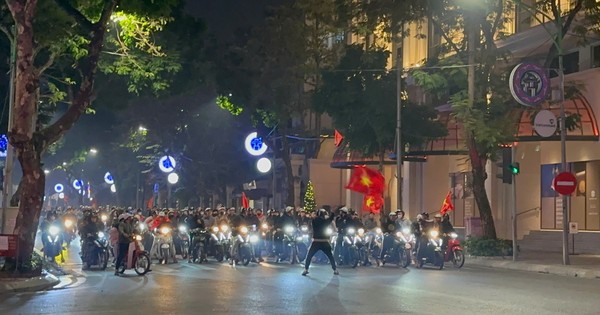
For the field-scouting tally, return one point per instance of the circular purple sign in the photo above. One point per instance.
(529, 84)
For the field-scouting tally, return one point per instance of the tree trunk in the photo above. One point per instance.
(289, 172)
(481, 197)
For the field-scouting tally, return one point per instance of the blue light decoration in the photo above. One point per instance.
(167, 164)
(78, 184)
(3, 146)
(108, 178)
(255, 145)
(59, 188)
(156, 187)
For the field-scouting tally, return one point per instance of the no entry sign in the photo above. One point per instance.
(564, 183)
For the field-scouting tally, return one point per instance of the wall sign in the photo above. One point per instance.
(529, 84)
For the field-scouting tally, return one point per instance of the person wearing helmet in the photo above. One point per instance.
(388, 227)
(341, 224)
(125, 233)
(402, 222)
(320, 242)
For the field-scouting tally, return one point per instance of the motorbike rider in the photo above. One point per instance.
(209, 217)
(421, 231)
(320, 240)
(341, 223)
(45, 226)
(235, 221)
(195, 224)
(304, 219)
(369, 222)
(388, 227)
(402, 222)
(125, 233)
(88, 234)
(253, 221)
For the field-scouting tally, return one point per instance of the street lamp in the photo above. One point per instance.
(46, 172)
(264, 165)
(173, 178)
(93, 151)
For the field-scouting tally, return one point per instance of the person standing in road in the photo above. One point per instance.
(320, 241)
(125, 233)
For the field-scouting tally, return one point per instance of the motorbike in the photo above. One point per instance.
(53, 244)
(199, 252)
(95, 251)
(69, 232)
(400, 252)
(184, 241)
(215, 244)
(431, 253)
(454, 251)
(225, 240)
(293, 248)
(163, 245)
(353, 247)
(105, 223)
(245, 241)
(137, 258)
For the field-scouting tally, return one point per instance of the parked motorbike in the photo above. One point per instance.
(95, 251)
(400, 252)
(53, 244)
(137, 258)
(454, 251)
(431, 253)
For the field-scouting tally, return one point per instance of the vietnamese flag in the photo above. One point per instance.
(373, 203)
(447, 204)
(245, 201)
(366, 181)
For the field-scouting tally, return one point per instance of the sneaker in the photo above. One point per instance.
(335, 272)
(305, 272)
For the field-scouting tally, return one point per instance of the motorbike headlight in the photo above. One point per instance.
(299, 238)
(453, 235)
(378, 230)
(138, 237)
(289, 229)
(215, 229)
(434, 234)
(406, 231)
(101, 234)
(361, 231)
(224, 228)
(304, 228)
(165, 230)
(244, 230)
(351, 231)
(265, 226)
(53, 230)
(68, 223)
(254, 239)
(182, 229)
(328, 231)
(142, 227)
(104, 218)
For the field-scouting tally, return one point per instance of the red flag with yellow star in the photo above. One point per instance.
(366, 181)
(373, 203)
(447, 204)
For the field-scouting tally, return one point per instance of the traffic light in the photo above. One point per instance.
(506, 168)
(515, 168)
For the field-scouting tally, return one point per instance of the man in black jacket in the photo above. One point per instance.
(320, 242)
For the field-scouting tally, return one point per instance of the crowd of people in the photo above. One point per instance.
(121, 223)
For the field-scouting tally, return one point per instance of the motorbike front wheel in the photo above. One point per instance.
(245, 255)
(142, 264)
(458, 258)
(439, 260)
(219, 253)
(405, 258)
(184, 249)
(353, 258)
(103, 259)
(164, 255)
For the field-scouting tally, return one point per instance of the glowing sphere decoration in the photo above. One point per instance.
(167, 164)
(78, 184)
(113, 188)
(255, 145)
(264, 165)
(173, 178)
(61, 195)
(59, 188)
(108, 178)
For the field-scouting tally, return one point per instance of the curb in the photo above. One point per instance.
(43, 282)
(539, 268)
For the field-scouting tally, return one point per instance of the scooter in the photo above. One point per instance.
(184, 241)
(199, 252)
(244, 242)
(290, 246)
(432, 253)
(69, 232)
(137, 258)
(97, 245)
(454, 252)
(400, 252)
(163, 247)
(53, 244)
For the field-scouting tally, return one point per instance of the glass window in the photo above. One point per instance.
(570, 64)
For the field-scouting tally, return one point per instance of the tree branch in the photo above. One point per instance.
(447, 38)
(74, 13)
(565, 29)
(41, 69)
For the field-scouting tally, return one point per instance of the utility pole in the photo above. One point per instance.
(513, 203)
(399, 153)
(9, 162)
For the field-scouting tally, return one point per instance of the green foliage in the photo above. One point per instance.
(480, 246)
(226, 104)
(310, 203)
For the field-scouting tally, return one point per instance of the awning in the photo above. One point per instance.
(346, 158)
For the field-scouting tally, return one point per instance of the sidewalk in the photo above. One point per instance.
(582, 266)
(43, 282)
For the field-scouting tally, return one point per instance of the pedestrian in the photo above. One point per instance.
(320, 242)
(125, 233)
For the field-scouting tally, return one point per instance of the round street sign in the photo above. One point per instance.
(564, 183)
(529, 84)
(545, 123)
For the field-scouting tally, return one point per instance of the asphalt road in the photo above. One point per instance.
(271, 288)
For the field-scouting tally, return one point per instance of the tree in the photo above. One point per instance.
(360, 95)
(66, 39)
(310, 203)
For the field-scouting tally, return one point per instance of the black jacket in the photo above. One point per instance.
(319, 226)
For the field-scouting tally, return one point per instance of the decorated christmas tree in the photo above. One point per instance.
(309, 198)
